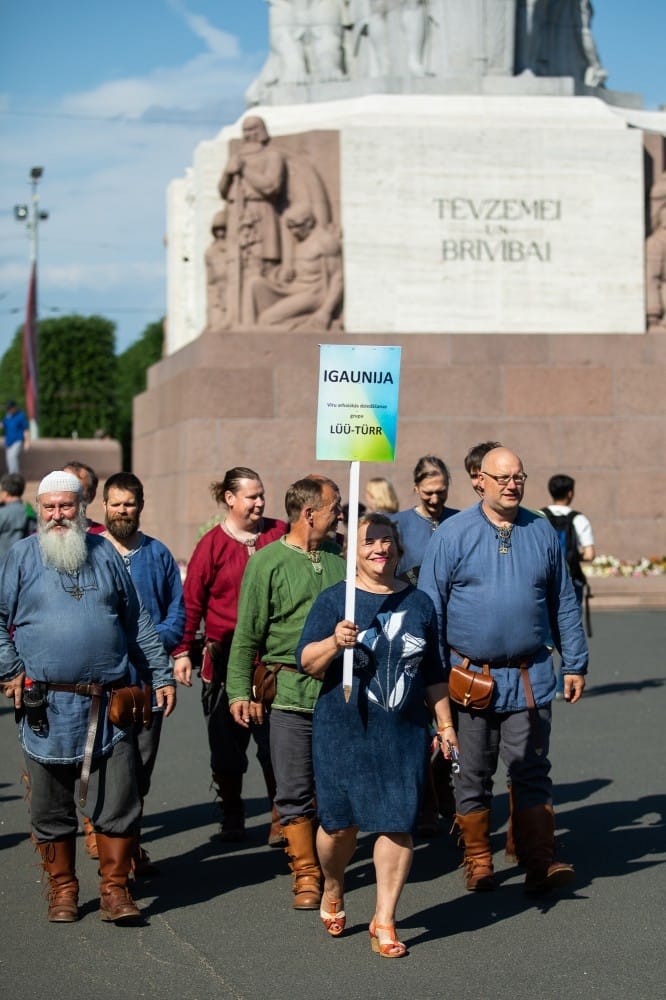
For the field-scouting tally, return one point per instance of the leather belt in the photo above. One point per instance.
(511, 661)
(87, 690)
(94, 692)
(523, 664)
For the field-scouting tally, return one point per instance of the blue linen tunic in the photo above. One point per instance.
(156, 576)
(415, 533)
(497, 606)
(53, 636)
(369, 755)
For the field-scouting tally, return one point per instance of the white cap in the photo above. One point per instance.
(59, 482)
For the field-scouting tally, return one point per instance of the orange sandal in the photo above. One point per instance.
(333, 922)
(387, 949)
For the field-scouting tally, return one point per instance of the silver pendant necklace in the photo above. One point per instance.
(74, 590)
(504, 535)
(249, 542)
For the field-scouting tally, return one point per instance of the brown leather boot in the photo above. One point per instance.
(478, 859)
(535, 841)
(300, 849)
(229, 788)
(115, 862)
(90, 839)
(58, 860)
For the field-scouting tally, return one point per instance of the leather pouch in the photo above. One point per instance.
(264, 683)
(471, 688)
(127, 706)
(214, 658)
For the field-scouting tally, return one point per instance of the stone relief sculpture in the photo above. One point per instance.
(276, 259)
(252, 184)
(655, 260)
(216, 263)
(307, 290)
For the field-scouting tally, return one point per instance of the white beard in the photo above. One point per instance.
(65, 551)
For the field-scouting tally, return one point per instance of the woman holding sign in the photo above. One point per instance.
(376, 785)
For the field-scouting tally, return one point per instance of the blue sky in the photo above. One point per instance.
(111, 98)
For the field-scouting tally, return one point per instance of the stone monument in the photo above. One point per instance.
(655, 259)
(437, 45)
(452, 176)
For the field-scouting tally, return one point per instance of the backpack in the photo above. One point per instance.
(564, 526)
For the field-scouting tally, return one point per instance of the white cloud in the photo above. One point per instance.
(184, 87)
(220, 43)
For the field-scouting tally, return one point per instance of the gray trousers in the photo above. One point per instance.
(483, 738)
(291, 753)
(147, 745)
(113, 802)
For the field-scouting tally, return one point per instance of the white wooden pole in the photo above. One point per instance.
(350, 592)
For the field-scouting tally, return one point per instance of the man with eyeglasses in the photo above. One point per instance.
(497, 576)
(70, 623)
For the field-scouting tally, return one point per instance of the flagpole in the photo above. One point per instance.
(32, 216)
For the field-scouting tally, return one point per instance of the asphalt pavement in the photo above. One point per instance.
(219, 922)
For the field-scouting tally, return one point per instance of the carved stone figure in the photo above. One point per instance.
(307, 289)
(473, 38)
(531, 20)
(415, 22)
(567, 46)
(655, 271)
(253, 182)
(286, 58)
(595, 74)
(306, 45)
(325, 40)
(393, 33)
(217, 274)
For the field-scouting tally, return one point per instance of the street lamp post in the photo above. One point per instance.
(32, 215)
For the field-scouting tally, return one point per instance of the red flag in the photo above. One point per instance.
(30, 348)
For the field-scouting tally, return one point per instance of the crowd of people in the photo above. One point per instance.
(457, 617)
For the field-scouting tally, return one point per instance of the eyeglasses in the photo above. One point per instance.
(505, 480)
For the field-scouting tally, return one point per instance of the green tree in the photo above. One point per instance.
(11, 371)
(83, 386)
(77, 376)
(133, 365)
